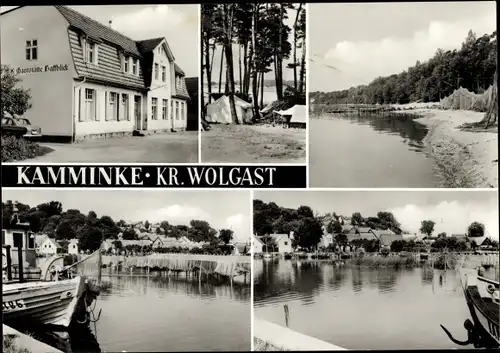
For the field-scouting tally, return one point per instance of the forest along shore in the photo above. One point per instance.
(466, 158)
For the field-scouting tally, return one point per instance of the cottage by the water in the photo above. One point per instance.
(87, 79)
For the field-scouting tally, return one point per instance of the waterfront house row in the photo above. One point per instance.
(87, 79)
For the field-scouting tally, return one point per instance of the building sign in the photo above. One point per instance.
(37, 69)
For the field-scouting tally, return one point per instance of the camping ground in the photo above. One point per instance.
(253, 143)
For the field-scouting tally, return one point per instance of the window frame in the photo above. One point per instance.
(164, 109)
(92, 100)
(154, 108)
(31, 48)
(91, 47)
(157, 69)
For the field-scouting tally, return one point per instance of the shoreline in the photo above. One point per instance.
(466, 159)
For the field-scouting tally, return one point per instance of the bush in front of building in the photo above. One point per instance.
(18, 149)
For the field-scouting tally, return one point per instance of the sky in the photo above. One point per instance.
(364, 41)
(452, 211)
(229, 209)
(179, 24)
(287, 73)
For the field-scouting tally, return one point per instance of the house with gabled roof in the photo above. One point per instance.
(87, 79)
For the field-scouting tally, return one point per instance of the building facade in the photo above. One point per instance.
(87, 79)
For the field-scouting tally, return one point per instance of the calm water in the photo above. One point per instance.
(159, 314)
(369, 151)
(361, 308)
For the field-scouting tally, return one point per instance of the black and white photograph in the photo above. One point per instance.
(126, 271)
(403, 94)
(375, 270)
(253, 82)
(100, 84)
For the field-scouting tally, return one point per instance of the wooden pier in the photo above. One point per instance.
(25, 342)
(282, 338)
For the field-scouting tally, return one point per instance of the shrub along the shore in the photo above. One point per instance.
(385, 261)
(208, 249)
(18, 149)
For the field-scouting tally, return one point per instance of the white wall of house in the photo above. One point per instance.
(51, 90)
(73, 247)
(95, 110)
(284, 245)
(257, 246)
(47, 247)
(161, 90)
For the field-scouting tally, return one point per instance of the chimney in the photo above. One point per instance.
(110, 23)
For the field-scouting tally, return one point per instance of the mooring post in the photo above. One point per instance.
(8, 256)
(20, 261)
(287, 314)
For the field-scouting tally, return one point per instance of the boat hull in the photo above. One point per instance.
(47, 303)
(484, 311)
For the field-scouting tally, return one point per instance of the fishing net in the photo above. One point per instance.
(464, 99)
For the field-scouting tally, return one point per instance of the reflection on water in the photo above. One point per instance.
(361, 308)
(370, 150)
(160, 313)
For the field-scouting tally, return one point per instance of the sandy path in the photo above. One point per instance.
(468, 159)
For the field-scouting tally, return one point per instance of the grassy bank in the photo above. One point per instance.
(9, 345)
(18, 149)
(260, 345)
(384, 262)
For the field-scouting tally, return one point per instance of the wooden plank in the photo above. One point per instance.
(285, 339)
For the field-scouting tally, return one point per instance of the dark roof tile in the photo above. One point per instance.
(98, 31)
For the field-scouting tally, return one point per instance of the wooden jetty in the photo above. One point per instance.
(26, 342)
(282, 338)
(229, 265)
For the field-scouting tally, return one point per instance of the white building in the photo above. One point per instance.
(50, 247)
(73, 247)
(257, 245)
(283, 242)
(87, 79)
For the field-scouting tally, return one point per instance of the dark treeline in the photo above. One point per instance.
(90, 230)
(307, 228)
(472, 67)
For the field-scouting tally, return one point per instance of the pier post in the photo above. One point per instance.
(287, 314)
(8, 256)
(20, 261)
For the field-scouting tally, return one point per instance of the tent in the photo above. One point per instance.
(219, 111)
(296, 115)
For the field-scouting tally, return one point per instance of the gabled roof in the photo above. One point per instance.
(97, 30)
(364, 229)
(148, 45)
(178, 70)
(387, 239)
(53, 242)
(192, 85)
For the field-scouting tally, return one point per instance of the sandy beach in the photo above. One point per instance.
(253, 144)
(467, 159)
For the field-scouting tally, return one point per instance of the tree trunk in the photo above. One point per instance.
(280, 55)
(245, 66)
(250, 64)
(241, 76)
(207, 68)
(220, 72)
(202, 98)
(295, 47)
(262, 90)
(303, 67)
(228, 24)
(255, 91)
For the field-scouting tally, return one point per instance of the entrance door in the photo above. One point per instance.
(137, 113)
